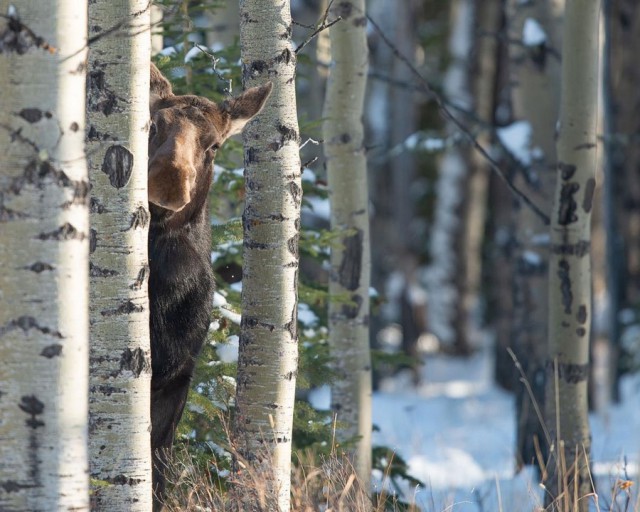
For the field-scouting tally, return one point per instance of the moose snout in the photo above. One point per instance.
(171, 183)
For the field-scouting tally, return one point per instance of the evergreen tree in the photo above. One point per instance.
(570, 262)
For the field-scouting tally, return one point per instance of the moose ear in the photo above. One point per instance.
(243, 108)
(159, 86)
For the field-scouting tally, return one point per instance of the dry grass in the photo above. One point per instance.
(328, 485)
(331, 485)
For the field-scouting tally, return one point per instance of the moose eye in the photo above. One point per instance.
(153, 130)
(210, 153)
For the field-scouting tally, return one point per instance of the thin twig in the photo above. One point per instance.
(214, 63)
(469, 114)
(323, 25)
(308, 163)
(446, 113)
(527, 385)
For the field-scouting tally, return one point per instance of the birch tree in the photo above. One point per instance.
(534, 71)
(268, 353)
(117, 138)
(570, 267)
(44, 248)
(350, 255)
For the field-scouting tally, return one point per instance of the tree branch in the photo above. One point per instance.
(426, 87)
(323, 25)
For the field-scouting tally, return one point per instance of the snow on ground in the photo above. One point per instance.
(457, 434)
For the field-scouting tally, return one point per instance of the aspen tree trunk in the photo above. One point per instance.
(350, 257)
(268, 355)
(570, 268)
(448, 227)
(534, 69)
(117, 139)
(488, 19)
(44, 250)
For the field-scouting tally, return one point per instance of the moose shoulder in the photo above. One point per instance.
(184, 135)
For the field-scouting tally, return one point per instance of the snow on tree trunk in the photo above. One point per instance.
(44, 250)
(268, 355)
(350, 257)
(448, 227)
(117, 139)
(534, 69)
(570, 265)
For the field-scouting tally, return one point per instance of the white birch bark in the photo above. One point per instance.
(350, 257)
(570, 262)
(268, 356)
(117, 138)
(44, 242)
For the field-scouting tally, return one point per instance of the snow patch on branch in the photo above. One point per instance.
(533, 34)
(516, 138)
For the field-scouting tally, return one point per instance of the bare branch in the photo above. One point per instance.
(214, 63)
(323, 25)
(426, 87)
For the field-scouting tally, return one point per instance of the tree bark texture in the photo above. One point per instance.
(349, 280)
(120, 358)
(534, 71)
(570, 267)
(268, 354)
(44, 249)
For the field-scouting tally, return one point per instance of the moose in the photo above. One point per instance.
(184, 134)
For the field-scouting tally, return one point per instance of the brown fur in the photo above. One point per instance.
(187, 130)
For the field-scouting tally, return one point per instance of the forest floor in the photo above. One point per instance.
(456, 431)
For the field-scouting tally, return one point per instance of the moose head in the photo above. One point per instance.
(184, 135)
